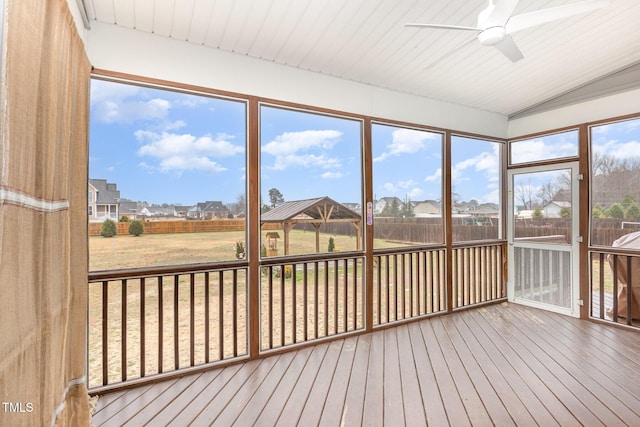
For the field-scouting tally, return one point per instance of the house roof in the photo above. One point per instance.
(321, 208)
(366, 41)
(108, 194)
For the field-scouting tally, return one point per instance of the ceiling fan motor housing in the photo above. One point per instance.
(492, 35)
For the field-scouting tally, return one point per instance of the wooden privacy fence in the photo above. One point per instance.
(181, 226)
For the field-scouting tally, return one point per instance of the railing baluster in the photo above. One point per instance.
(305, 313)
(235, 312)
(629, 292)
(270, 296)
(192, 319)
(105, 332)
(294, 304)
(282, 305)
(615, 288)
(206, 319)
(123, 330)
(142, 328)
(176, 322)
(326, 298)
(354, 261)
(315, 299)
(335, 298)
(221, 315)
(345, 301)
(160, 325)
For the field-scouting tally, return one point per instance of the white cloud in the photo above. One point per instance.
(539, 149)
(293, 142)
(305, 161)
(436, 177)
(406, 184)
(304, 149)
(119, 111)
(332, 175)
(485, 162)
(415, 193)
(389, 187)
(619, 150)
(185, 152)
(405, 141)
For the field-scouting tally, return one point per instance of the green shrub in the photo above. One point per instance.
(136, 227)
(537, 213)
(332, 245)
(615, 211)
(124, 218)
(632, 212)
(108, 228)
(240, 254)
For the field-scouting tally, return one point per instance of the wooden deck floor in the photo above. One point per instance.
(498, 365)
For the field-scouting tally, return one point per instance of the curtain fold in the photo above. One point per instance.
(43, 223)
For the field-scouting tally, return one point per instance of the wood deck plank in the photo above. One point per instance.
(253, 408)
(411, 392)
(431, 398)
(527, 350)
(456, 412)
(210, 412)
(373, 407)
(335, 398)
(487, 390)
(312, 410)
(499, 365)
(352, 412)
(513, 363)
(557, 347)
(473, 404)
(251, 387)
(295, 404)
(522, 404)
(144, 414)
(392, 385)
(169, 412)
(204, 396)
(273, 407)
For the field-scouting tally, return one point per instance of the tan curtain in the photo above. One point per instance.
(43, 223)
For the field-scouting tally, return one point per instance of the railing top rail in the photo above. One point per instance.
(297, 259)
(408, 249)
(478, 243)
(129, 273)
(615, 251)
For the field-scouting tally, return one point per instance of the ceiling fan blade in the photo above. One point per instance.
(509, 49)
(443, 27)
(503, 10)
(527, 20)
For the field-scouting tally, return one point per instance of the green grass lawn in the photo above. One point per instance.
(150, 250)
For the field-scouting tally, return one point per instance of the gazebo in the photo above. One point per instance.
(312, 211)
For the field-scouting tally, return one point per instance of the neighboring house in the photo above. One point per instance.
(129, 208)
(208, 210)
(380, 205)
(354, 207)
(182, 211)
(553, 208)
(104, 200)
(427, 208)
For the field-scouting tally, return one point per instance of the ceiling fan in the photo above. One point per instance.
(496, 24)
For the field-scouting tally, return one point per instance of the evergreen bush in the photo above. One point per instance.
(108, 228)
(136, 227)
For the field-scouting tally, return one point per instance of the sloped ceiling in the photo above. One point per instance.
(366, 41)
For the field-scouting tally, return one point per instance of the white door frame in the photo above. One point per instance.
(572, 247)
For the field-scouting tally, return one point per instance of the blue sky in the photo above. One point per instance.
(162, 146)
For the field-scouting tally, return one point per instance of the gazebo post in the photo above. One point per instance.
(317, 227)
(286, 227)
(358, 235)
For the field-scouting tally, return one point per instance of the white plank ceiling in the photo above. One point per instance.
(366, 41)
